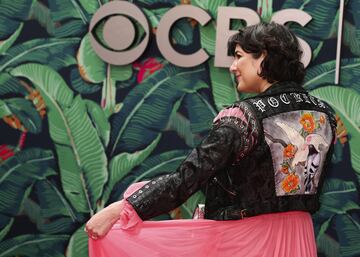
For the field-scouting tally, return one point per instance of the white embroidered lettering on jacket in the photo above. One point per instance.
(285, 99)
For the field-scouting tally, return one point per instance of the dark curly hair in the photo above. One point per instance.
(282, 49)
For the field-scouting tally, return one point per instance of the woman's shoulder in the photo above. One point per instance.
(238, 110)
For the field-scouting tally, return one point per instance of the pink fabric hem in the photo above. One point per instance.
(288, 234)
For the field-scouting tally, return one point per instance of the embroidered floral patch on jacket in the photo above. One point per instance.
(298, 142)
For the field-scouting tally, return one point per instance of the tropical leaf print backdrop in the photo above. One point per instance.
(76, 131)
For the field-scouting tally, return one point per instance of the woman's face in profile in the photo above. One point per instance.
(246, 69)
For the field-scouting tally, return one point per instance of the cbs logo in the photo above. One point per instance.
(119, 32)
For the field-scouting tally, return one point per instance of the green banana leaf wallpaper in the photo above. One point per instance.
(75, 131)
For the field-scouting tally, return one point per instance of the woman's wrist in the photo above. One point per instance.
(116, 209)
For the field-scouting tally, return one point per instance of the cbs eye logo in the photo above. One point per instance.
(119, 32)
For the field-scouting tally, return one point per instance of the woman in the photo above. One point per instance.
(261, 168)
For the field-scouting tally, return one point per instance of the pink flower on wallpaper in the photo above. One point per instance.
(5, 152)
(146, 68)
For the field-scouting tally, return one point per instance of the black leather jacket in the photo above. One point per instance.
(264, 154)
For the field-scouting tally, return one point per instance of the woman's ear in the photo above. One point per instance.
(259, 61)
(263, 55)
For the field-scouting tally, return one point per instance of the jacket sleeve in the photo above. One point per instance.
(233, 135)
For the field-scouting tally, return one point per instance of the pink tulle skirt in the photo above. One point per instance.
(286, 234)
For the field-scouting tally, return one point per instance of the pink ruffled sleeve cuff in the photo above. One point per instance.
(129, 218)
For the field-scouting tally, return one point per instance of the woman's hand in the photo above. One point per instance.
(100, 224)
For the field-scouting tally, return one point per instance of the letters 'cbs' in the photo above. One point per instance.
(119, 32)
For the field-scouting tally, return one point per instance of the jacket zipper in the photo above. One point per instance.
(223, 187)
